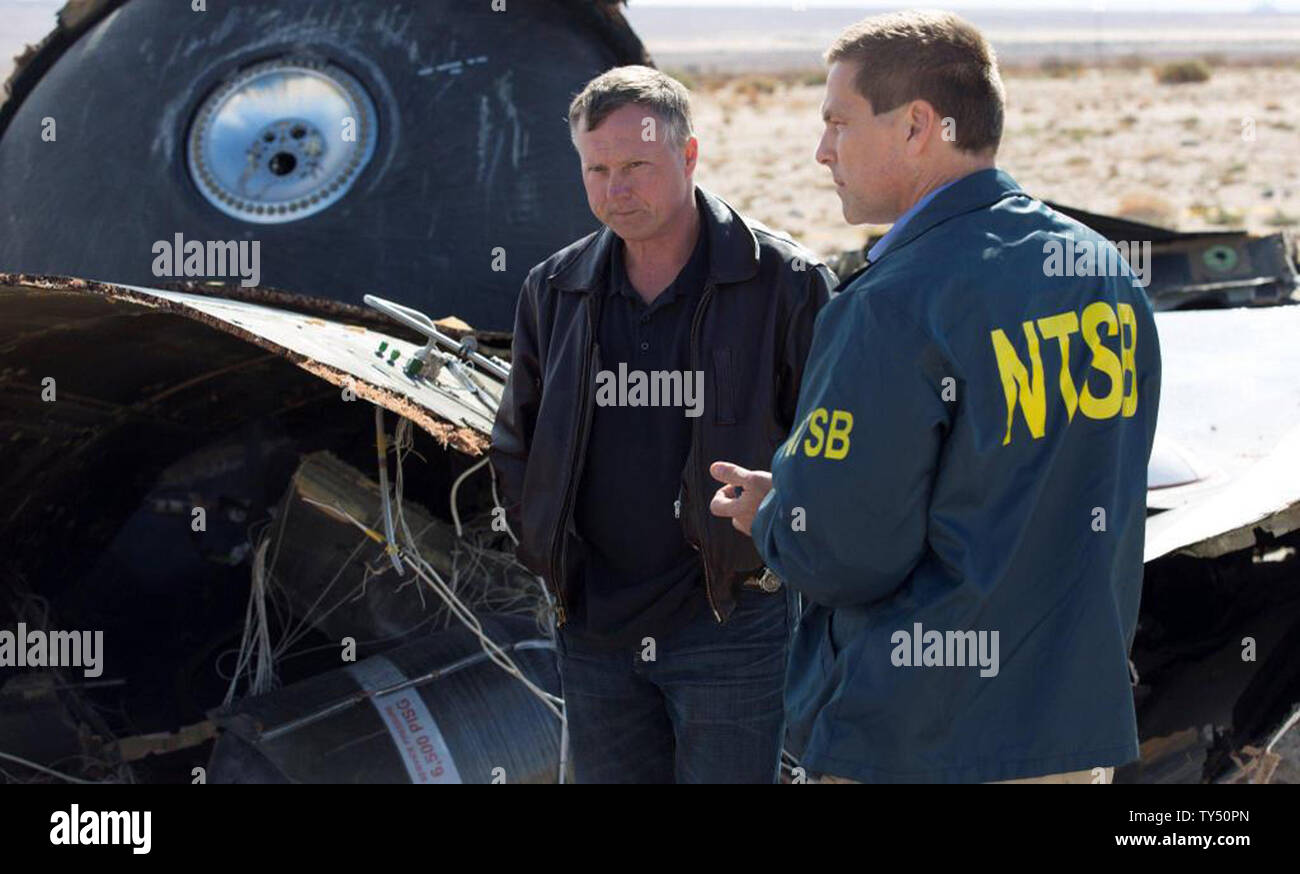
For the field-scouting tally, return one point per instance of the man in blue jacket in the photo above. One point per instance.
(962, 504)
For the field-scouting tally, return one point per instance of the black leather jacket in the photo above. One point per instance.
(750, 335)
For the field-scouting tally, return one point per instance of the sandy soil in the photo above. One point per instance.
(1109, 141)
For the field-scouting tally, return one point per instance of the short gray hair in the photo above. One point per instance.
(646, 87)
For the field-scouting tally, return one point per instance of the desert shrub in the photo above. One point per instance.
(752, 86)
(1146, 207)
(1182, 72)
(1059, 68)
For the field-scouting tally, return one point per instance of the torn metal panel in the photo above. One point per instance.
(1199, 269)
(134, 390)
(348, 356)
(1171, 467)
(1230, 404)
(342, 354)
(1229, 387)
(142, 381)
(161, 743)
(1265, 497)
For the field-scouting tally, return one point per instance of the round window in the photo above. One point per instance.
(281, 140)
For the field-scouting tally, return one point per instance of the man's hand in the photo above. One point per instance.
(738, 500)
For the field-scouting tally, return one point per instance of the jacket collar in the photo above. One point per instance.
(980, 189)
(733, 250)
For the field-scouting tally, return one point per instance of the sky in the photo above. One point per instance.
(23, 21)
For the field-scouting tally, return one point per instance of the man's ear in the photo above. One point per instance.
(922, 120)
(692, 155)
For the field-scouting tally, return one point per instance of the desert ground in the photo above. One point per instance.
(1214, 155)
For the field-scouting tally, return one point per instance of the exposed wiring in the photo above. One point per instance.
(381, 450)
(478, 577)
(434, 580)
(53, 773)
(1286, 726)
(564, 742)
(496, 502)
(255, 645)
(455, 487)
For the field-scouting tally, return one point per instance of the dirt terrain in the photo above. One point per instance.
(1110, 141)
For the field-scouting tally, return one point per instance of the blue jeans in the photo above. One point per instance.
(707, 709)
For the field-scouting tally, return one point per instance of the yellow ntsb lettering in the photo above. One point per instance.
(1059, 328)
(1017, 383)
(828, 432)
(1094, 316)
(1128, 358)
(1023, 385)
(815, 423)
(837, 437)
(793, 440)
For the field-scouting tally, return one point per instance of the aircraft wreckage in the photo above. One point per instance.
(234, 484)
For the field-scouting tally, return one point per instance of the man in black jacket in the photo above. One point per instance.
(672, 337)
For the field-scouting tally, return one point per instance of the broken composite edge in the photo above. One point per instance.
(1225, 470)
(1265, 496)
(342, 354)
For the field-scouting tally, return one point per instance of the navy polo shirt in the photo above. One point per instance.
(640, 576)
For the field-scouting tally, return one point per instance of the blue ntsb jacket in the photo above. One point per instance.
(963, 503)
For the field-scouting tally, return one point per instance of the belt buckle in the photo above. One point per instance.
(768, 581)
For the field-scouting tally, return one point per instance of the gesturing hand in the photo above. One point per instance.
(738, 500)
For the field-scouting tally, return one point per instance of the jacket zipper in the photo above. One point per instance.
(560, 540)
(696, 428)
